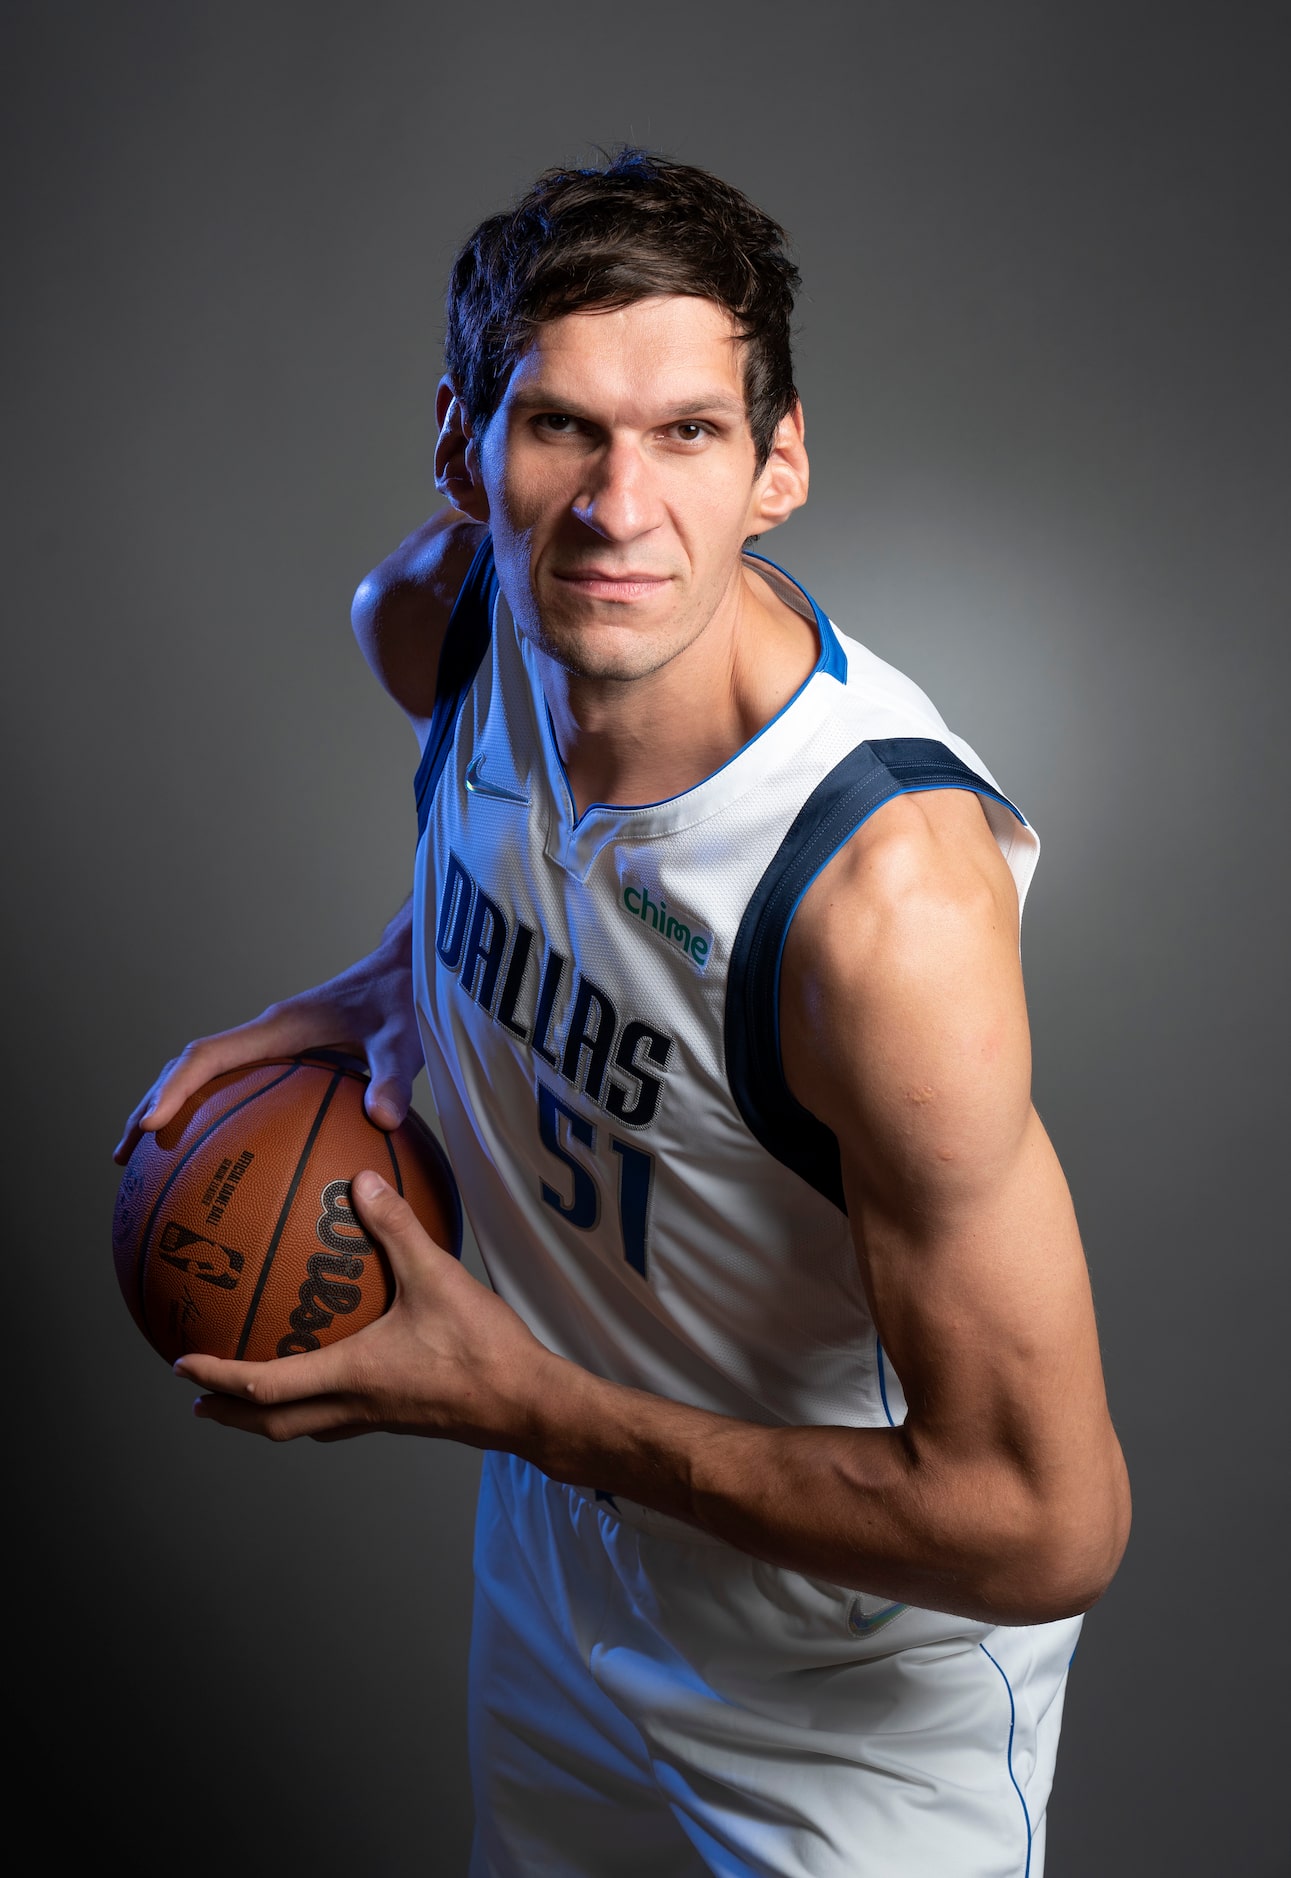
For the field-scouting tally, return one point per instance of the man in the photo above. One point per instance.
(799, 1465)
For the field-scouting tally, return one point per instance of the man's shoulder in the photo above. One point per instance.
(402, 608)
(901, 977)
(923, 866)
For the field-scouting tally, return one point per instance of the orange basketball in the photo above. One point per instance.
(233, 1233)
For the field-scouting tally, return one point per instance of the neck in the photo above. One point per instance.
(639, 740)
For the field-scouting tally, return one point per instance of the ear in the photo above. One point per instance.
(457, 469)
(782, 486)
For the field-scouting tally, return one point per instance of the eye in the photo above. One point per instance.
(690, 430)
(556, 423)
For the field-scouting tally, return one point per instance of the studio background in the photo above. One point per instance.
(1042, 353)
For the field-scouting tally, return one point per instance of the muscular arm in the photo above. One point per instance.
(402, 608)
(904, 1029)
(1003, 1496)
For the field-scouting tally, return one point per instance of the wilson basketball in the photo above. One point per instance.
(233, 1233)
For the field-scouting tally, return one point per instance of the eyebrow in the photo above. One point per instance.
(535, 398)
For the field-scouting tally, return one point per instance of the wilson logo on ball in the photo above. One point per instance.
(328, 1290)
(271, 1147)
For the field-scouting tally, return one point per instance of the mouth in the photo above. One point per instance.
(596, 583)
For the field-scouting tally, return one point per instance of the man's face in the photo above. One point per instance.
(621, 481)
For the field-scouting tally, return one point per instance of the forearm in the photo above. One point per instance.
(398, 931)
(367, 1008)
(872, 1508)
(392, 952)
(979, 1508)
(376, 988)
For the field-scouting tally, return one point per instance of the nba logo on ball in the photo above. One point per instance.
(233, 1232)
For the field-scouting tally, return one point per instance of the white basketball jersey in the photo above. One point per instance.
(598, 998)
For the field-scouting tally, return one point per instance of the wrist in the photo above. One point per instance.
(552, 1413)
(395, 943)
(585, 1431)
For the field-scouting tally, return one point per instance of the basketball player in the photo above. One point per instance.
(799, 1470)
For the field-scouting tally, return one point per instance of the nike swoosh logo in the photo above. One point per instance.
(862, 1626)
(478, 787)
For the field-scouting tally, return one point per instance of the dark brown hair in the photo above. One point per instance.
(603, 238)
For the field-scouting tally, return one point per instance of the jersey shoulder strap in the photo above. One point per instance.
(867, 777)
(466, 642)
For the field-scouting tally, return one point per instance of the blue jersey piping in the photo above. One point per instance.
(831, 661)
(1013, 1718)
(883, 1380)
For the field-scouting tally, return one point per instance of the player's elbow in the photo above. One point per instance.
(1046, 1583)
(1061, 1559)
(363, 607)
(375, 606)
(395, 626)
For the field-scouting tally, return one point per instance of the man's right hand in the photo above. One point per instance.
(367, 1009)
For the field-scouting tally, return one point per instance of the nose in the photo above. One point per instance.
(619, 502)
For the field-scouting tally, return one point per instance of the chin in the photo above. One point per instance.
(611, 657)
(603, 648)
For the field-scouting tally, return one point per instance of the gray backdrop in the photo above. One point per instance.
(1042, 357)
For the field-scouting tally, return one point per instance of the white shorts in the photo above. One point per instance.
(647, 1702)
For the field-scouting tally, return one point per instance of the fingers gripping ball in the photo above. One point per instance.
(233, 1232)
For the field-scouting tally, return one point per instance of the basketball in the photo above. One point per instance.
(233, 1234)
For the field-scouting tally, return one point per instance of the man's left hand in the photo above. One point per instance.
(447, 1359)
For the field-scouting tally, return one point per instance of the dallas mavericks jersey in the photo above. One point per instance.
(598, 1002)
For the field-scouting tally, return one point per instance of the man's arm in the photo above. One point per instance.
(400, 613)
(366, 1009)
(904, 1029)
(1003, 1496)
(402, 608)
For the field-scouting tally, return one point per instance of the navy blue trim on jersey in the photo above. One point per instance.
(466, 641)
(868, 776)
